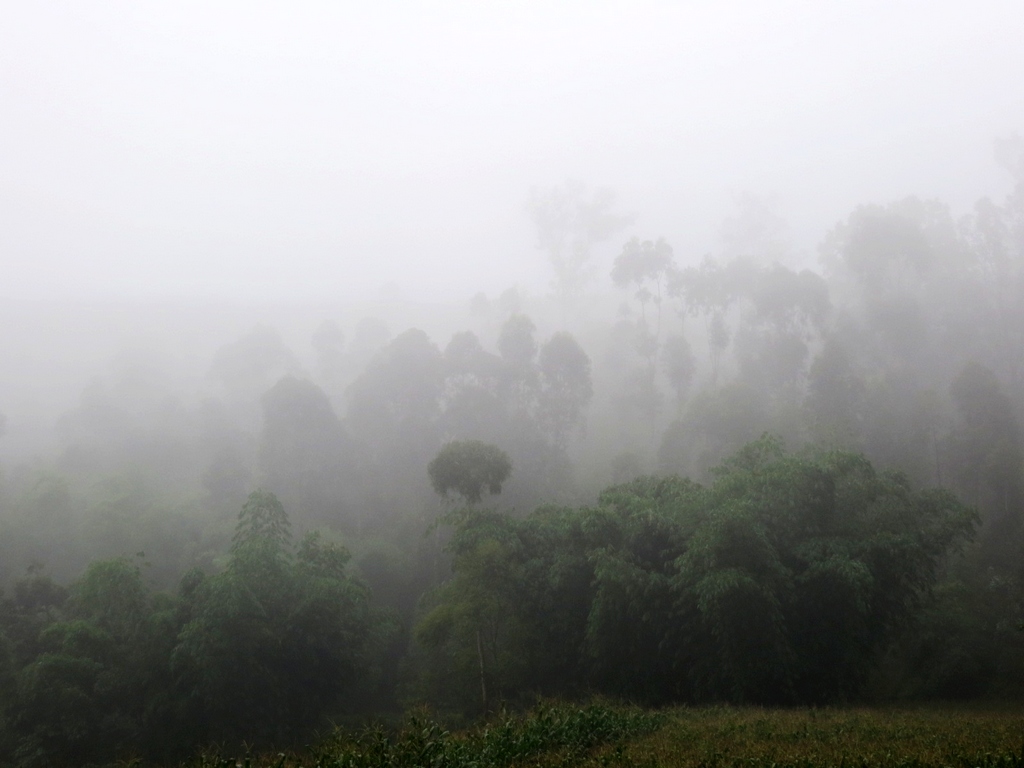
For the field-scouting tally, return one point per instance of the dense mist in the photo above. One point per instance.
(263, 153)
(359, 361)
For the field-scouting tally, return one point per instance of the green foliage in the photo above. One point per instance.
(264, 651)
(784, 580)
(85, 694)
(262, 523)
(272, 644)
(467, 467)
(726, 737)
(562, 732)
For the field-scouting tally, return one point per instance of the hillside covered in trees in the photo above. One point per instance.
(729, 478)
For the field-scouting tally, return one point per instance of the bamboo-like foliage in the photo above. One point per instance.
(782, 581)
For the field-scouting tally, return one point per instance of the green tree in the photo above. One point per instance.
(985, 448)
(305, 454)
(90, 692)
(274, 642)
(782, 581)
(468, 467)
(471, 631)
(473, 605)
(394, 407)
(473, 392)
(566, 387)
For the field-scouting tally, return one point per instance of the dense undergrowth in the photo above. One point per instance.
(559, 734)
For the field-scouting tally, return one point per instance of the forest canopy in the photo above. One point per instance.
(780, 582)
(783, 581)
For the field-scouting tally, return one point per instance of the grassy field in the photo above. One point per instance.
(813, 738)
(601, 735)
(563, 734)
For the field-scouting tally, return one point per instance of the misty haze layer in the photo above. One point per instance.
(253, 151)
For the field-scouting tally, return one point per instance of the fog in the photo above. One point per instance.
(452, 355)
(253, 151)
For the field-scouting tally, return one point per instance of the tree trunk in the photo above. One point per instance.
(483, 679)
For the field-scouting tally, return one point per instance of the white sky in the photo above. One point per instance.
(323, 149)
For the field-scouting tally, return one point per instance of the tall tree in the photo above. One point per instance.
(648, 268)
(305, 454)
(468, 468)
(570, 221)
(566, 387)
(275, 641)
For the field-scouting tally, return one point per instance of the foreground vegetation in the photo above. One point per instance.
(866, 738)
(716, 737)
(566, 732)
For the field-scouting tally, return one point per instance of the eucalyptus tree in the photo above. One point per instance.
(250, 365)
(520, 379)
(786, 314)
(517, 344)
(570, 220)
(394, 407)
(566, 387)
(710, 290)
(679, 365)
(328, 342)
(985, 452)
(474, 607)
(835, 403)
(648, 268)
(473, 397)
(305, 454)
